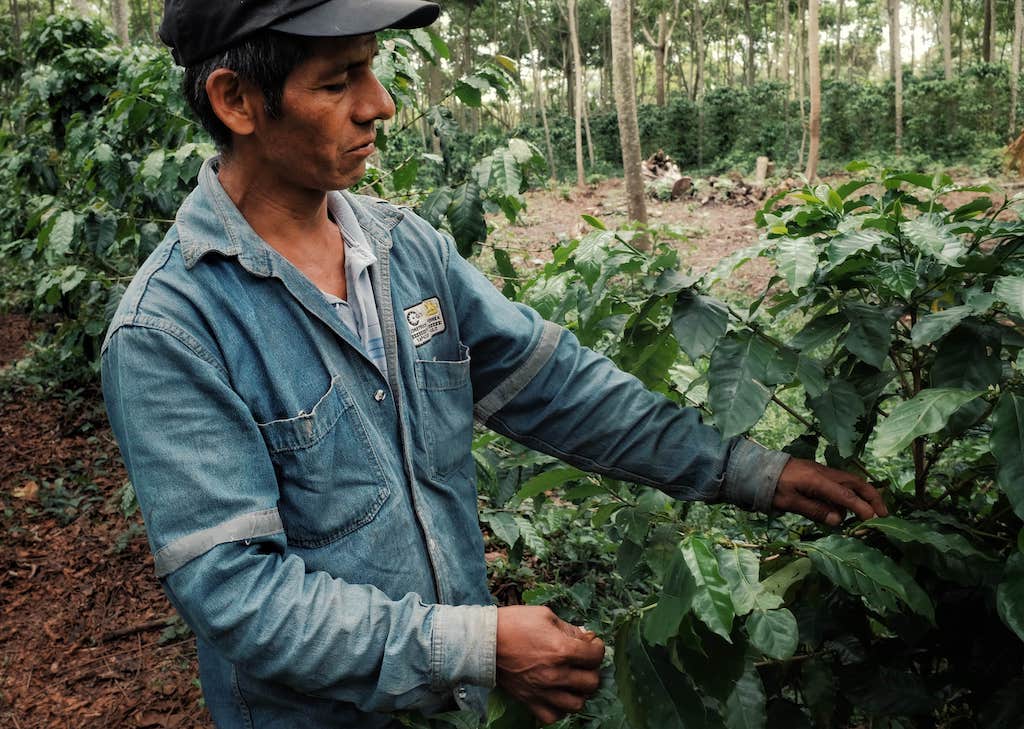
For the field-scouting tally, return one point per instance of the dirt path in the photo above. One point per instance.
(712, 231)
(80, 644)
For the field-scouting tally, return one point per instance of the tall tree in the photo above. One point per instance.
(698, 46)
(896, 66)
(625, 106)
(788, 51)
(839, 40)
(946, 34)
(1018, 30)
(664, 27)
(577, 62)
(814, 79)
(119, 11)
(538, 93)
(748, 58)
(988, 37)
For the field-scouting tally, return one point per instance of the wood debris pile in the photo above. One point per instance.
(664, 181)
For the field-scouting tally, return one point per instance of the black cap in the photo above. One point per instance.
(197, 29)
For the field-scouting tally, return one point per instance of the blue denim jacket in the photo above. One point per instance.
(315, 523)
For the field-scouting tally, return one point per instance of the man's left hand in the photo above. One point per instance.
(825, 494)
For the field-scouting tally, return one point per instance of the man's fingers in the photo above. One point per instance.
(586, 651)
(815, 510)
(870, 494)
(829, 491)
(584, 683)
(545, 714)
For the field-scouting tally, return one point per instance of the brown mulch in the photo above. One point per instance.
(81, 614)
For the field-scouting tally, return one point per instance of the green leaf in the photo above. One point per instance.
(1010, 290)
(745, 707)
(405, 174)
(1007, 443)
(698, 322)
(848, 244)
(797, 261)
(504, 526)
(548, 480)
(740, 569)
(1010, 595)
(594, 222)
(773, 632)
(811, 375)
(677, 593)
(153, 166)
(62, 234)
(935, 326)
(778, 583)
(653, 693)
(870, 333)
(929, 234)
(947, 555)
(838, 409)
(862, 570)
(736, 390)
(466, 217)
(712, 600)
(505, 173)
(435, 207)
(468, 94)
(531, 537)
(926, 413)
(819, 331)
(899, 277)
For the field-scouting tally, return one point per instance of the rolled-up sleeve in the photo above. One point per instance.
(208, 494)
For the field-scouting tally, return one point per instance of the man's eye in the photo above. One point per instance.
(335, 88)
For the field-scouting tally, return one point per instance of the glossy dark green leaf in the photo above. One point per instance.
(898, 276)
(779, 582)
(773, 632)
(845, 245)
(864, 571)
(548, 480)
(797, 259)
(504, 526)
(654, 694)
(737, 394)
(881, 690)
(838, 409)
(870, 333)
(1010, 290)
(740, 569)
(435, 207)
(712, 600)
(819, 331)
(745, 707)
(466, 217)
(983, 369)
(674, 602)
(935, 326)
(929, 234)
(1010, 594)
(928, 412)
(698, 322)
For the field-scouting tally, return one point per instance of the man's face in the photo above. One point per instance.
(329, 106)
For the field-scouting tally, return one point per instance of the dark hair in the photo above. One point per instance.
(264, 59)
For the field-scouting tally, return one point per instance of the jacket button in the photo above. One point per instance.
(379, 395)
(461, 693)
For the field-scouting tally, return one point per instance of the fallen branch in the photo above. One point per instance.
(158, 624)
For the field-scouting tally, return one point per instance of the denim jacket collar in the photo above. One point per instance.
(210, 222)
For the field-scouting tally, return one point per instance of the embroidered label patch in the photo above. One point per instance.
(425, 320)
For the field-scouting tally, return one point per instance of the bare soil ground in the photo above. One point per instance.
(81, 614)
(82, 619)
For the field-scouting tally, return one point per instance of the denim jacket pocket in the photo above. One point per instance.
(447, 425)
(324, 460)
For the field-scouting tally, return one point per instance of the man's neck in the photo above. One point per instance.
(294, 222)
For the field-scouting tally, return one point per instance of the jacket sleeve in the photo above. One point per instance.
(534, 382)
(208, 495)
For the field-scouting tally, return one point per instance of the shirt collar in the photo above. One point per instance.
(208, 221)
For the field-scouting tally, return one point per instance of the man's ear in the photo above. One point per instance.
(237, 103)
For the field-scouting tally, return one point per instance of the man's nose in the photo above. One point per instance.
(376, 102)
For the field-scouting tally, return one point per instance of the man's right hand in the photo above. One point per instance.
(544, 662)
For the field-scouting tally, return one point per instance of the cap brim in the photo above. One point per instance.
(357, 17)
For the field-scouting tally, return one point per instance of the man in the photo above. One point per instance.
(293, 376)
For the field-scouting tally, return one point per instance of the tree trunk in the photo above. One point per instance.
(988, 39)
(787, 51)
(897, 70)
(586, 129)
(119, 10)
(698, 51)
(947, 40)
(625, 106)
(577, 62)
(1018, 31)
(538, 95)
(839, 39)
(16, 17)
(81, 7)
(801, 57)
(814, 74)
(748, 60)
